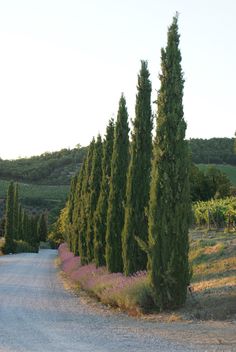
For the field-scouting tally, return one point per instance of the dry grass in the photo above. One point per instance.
(213, 259)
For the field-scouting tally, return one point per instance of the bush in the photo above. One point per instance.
(24, 247)
(131, 293)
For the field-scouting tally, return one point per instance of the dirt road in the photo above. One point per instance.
(38, 315)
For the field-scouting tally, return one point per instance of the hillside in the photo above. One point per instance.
(44, 180)
(213, 151)
(228, 170)
(57, 168)
(49, 168)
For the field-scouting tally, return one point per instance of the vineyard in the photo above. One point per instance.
(216, 214)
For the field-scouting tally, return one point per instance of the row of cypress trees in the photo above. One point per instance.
(129, 206)
(20, 226)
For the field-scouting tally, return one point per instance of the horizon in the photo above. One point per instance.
(64, 65)
(86, 146)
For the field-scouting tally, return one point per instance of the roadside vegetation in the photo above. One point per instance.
(126, 222)
(211, 294)
(141, 230)
(22, 231)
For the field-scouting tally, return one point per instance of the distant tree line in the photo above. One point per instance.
(56, 168)
(129, 207)
(213, 151)
(22, 231)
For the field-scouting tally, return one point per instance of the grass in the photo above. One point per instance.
(32, 191)
(229, 170)
(212, 257)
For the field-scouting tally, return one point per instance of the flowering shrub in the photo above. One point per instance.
(131, 293)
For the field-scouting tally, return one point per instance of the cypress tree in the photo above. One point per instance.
(70, 235)
(169, 210)
(19, 230)
(15, 212)
(42, 228)
(138, 181)
(95, 185)
(9, 224)
(100, 216)
(116, 200)
(77, 210)
(25, 227)
(34, 240)
(85, 193)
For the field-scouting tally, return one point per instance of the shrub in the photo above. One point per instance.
(24, 247)
(131, 293)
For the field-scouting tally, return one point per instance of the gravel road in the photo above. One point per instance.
(38, 314)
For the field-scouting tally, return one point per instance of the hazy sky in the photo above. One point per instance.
(64, 64)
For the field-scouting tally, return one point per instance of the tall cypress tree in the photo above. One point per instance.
(19, 230)
(25, 227)
(15, 212)
(9, 224)
(95, 185)
(138, 181)
(72, 194)
(77, 210)
(34, 240)
(42, 229)
(100, 217)
(169, 214)
(84, 205)
(116, 200)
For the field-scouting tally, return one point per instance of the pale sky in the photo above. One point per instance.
(64, 64)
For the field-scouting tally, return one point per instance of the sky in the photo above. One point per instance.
(65, 63)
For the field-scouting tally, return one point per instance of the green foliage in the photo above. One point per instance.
(169, 208)
(219, 213)
(77, 211)
(19, 225)
(228, 170)
(15, 212)
(42, 228)
(55, 237)
(24, 247)
(49, 168)
(25, 227)
(100, 216)
(209, 184)
(116, 200)
(84, 206)
(40, 197)
(138, 180)
(94, 186)
(9, 246)
(33, 192)
(213, 151)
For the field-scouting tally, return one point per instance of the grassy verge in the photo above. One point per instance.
(213, 260)
(213, 287)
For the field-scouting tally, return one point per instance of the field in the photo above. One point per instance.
(229, 170)
(32, 191)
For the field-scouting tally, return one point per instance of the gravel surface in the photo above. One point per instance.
(38, 314)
